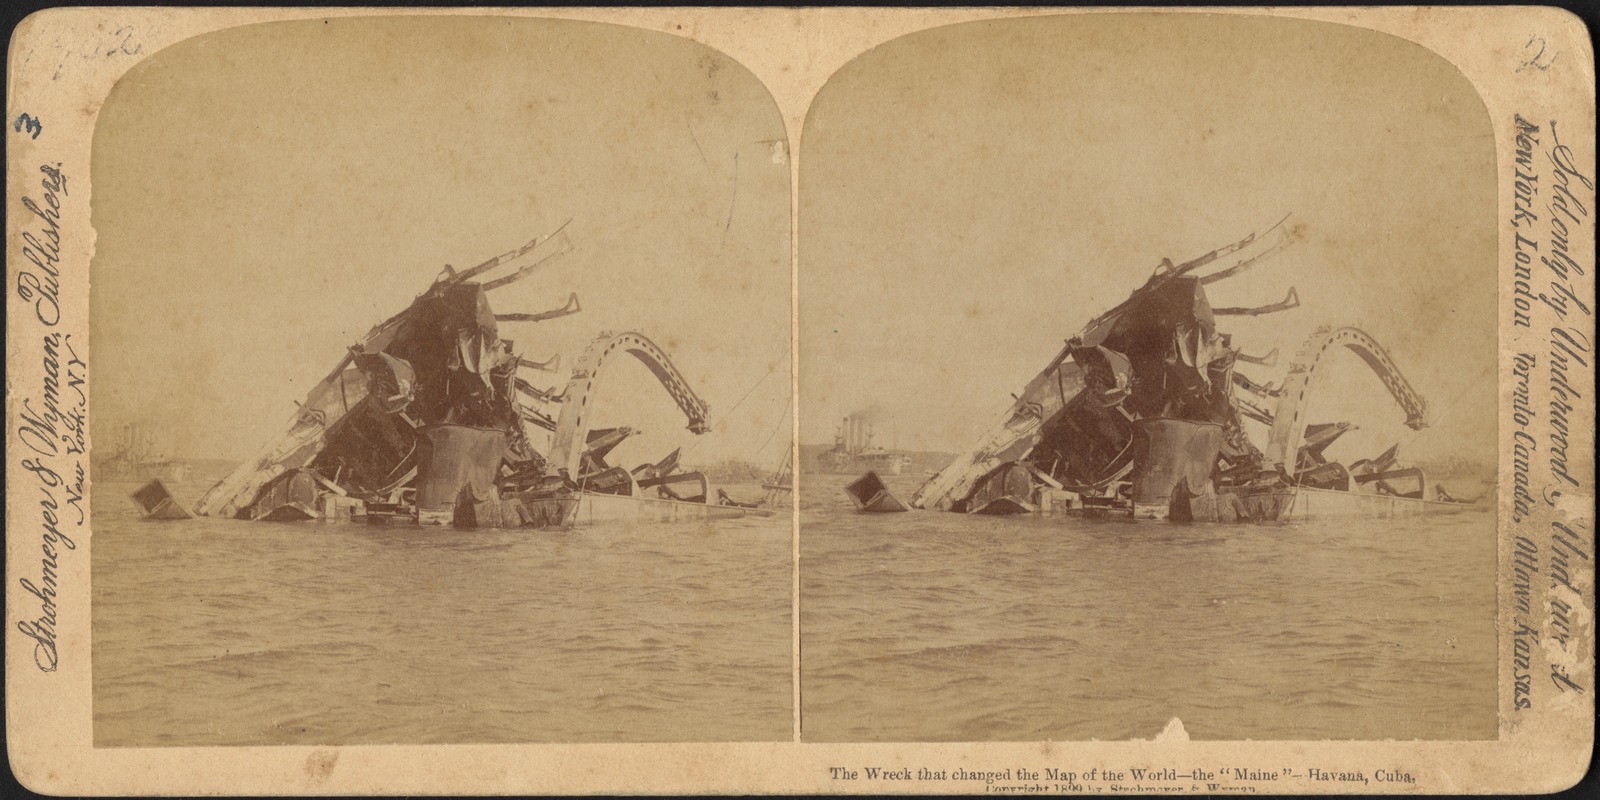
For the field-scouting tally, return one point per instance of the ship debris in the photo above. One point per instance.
(871, 495)
(1141, 414)
(157, 502)
(437, 417)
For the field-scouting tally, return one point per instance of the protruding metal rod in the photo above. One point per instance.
(563, 246)
(1188, 266)
(1277, 247)
(572, 307)
(540, 394)
(506, 257)
(1163, 274)
(551, 365)
(1268, 360)
(538, 419)
(1263, 390)
(1254, 411)
(1288, 302)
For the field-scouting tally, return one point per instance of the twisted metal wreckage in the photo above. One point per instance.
(428, 420)
(1140, 414)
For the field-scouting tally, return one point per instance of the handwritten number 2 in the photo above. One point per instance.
(1534, 62)
(33, 126)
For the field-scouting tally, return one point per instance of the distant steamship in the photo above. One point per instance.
(853, 451)
(137, 458)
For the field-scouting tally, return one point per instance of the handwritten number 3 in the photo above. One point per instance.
(34, 126)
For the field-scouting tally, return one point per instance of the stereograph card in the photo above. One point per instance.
(780, 401)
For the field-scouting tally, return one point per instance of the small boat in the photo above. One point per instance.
(870, 495)
(157, 502)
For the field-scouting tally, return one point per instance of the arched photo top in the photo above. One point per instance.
(972, 194)
(310, 177)
(1108, 46)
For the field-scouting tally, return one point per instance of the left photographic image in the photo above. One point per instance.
(442, 389)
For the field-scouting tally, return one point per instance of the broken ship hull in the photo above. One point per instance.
(431, 420)
(1142, 414)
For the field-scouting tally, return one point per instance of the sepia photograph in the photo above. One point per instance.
(442, 389)
(1158, 356)
(750, 401)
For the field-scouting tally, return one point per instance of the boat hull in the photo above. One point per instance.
(588, 508)
(1329, 504)
(1300, 505)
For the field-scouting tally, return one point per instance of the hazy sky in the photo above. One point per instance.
(264, 195)
(971, 195)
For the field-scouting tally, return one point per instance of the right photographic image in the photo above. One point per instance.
(1147, 386)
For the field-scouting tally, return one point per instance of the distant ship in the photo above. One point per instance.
(136, 458)
(853, 451)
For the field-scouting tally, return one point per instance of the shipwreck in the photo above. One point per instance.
(1141, 415)
(434, 417)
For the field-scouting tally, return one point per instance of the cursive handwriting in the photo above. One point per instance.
(57, 427)
(42, 629)
(43, 248)
(53, 431)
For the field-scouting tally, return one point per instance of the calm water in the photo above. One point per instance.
(931, 626)
(222, 632)
(916, 627)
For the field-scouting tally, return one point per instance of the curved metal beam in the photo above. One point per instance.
(1289, 423)
(572, 429)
